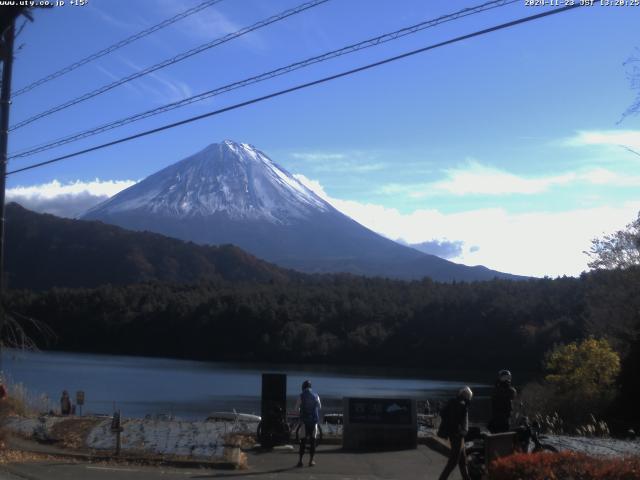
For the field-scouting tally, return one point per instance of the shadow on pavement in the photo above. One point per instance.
(245, 473)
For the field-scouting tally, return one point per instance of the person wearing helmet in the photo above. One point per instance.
(502, 403)
(309, 407)
(454, 426)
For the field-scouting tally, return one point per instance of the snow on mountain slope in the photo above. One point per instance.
(233, 178)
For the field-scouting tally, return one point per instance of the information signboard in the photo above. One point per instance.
(380, 411)
(380, 424)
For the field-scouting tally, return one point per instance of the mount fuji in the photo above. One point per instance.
(233, 193)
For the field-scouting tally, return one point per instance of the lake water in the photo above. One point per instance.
(191, 390)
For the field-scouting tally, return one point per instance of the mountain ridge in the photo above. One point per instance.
(44, 251)
(232, 193)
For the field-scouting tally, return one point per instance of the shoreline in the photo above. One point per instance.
(218, 440)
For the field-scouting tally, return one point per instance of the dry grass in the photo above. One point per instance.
(237, 457)
(20, 401)
(73, 432)
(233, 451)
(242, 440)
(18, 456)
(594, 428)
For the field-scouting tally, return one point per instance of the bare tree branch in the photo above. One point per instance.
(19, 330)
(633, 74)
(617, 250)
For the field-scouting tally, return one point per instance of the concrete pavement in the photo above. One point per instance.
(332, 464)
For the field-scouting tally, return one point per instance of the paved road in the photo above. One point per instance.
(332, 464)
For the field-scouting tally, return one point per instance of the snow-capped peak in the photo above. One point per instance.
(230, 178)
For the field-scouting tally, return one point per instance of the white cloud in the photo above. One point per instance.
(131, 86)
(317, 156)
(353, 167)
(538, 244)
(602, 176)
(116, 22)
(617, 138)
(353, 161)
(55, 188)
(313, 185)
(177, 90)
(65, 200)
(165, 88)
(483, 180)
(208, 24)
(477, 179)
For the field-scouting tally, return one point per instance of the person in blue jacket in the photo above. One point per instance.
(308, 405)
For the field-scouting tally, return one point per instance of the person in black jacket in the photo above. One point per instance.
(502, 403)
(455, 425)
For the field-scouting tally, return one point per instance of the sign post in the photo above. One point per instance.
(80, 400)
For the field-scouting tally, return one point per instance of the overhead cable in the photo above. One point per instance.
(171, 61)
(115, 46)
(371, 42)
(369, 66)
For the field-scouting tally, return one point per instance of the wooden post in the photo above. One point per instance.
(5, 105)
(117, 429)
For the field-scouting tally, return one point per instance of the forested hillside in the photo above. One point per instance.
(44, 251)
(341, 319)
(151, 295)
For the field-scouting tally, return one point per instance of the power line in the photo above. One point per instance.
(629, 149)
(301, 86)
(265, 76)
(116, 46)
(171, 61)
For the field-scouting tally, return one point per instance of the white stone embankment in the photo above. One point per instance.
(594, 446)
(37, 428)
(196, 439)
(209, 439)
(607, 447)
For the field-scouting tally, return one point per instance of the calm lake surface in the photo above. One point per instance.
(191, 390)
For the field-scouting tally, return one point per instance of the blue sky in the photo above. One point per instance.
(508, 146)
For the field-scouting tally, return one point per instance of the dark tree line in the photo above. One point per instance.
(338, 319)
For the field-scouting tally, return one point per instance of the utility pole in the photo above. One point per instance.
(6, 43)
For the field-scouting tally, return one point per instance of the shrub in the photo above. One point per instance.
(543, 404)
(579, 384)
(21, 402)
(588, 368)
(539, 399)
(563, 465)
